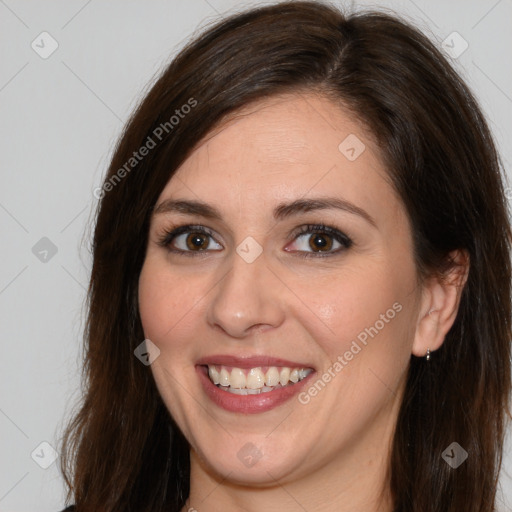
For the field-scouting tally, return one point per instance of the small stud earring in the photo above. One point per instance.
(432, 311)
(427, 357)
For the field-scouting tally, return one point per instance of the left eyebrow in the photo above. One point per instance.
(281, 212)
(285, 210)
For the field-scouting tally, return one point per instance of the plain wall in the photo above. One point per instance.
(59, 119)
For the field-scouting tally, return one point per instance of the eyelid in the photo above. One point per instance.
(321, 228)
(170, 234)
(309, 229)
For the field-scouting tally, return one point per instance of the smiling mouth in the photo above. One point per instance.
(254, 381)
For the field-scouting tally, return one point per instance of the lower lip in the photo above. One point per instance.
(248, 404)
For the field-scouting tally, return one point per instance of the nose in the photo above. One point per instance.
(246, 299)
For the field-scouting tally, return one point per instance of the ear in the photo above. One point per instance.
(439, 304)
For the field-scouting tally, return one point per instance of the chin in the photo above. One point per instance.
(253, 460)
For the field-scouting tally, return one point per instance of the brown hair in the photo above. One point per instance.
(122, 451)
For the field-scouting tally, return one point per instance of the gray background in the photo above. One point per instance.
(59, 119)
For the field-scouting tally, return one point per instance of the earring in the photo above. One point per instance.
(427, 357)
(432, 311)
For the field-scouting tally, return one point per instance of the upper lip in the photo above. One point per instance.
(249, 361)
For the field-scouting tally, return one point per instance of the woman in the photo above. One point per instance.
(341, 338)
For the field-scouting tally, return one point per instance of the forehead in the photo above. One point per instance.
(286, 129)
(282, 148)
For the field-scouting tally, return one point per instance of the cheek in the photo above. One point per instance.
(362, 324)
(166, 301)
(375, 341)
(168, 305)
(356, 303)
(365, 317)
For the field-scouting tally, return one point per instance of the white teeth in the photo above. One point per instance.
(236, 381)
(303, 373)
(236, 391)
(284, 376)
(224, 377)
(272, 378)
(255, 378)
(214, 374)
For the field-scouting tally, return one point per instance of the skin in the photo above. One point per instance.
(330, 454)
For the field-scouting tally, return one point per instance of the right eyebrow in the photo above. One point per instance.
(189, 208)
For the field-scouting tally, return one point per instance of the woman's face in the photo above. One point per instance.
(265, 294)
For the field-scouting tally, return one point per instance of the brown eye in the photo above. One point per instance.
(189, 240)
(320, 242)
(197, 241)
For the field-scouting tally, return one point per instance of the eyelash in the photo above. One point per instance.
(169, 235)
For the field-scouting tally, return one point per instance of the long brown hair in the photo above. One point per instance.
(122, 451)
